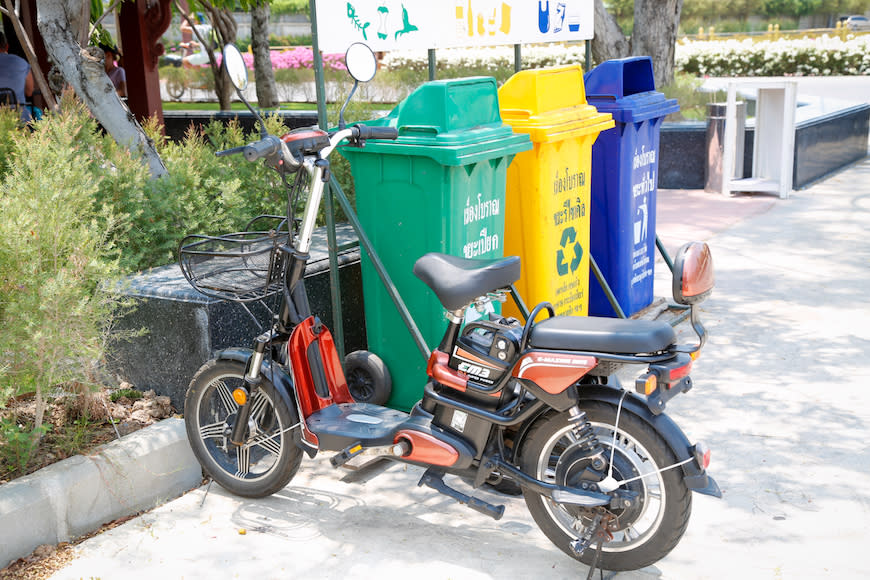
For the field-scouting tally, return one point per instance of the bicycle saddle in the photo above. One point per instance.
(458, 281)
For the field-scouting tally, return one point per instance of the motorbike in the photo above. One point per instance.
(531, 405)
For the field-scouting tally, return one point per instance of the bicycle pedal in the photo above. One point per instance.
(346, 454)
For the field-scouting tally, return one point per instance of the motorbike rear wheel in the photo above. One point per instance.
(267, 460)
(643, 533)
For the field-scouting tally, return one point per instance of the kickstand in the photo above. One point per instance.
(595, 562)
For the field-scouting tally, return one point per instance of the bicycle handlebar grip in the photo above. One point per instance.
(385, 133)
(263, 148)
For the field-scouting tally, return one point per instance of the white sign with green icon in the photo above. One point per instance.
(422, 24)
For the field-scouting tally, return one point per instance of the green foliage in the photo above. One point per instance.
(9, 119)
(17, 445)
(820, 56)
(131, 394)
(693, 103)
(276, 40)
(201, 194)
(73, 437)
(279, 7)
(56, 247)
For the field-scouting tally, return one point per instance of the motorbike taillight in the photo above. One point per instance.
(664, 380)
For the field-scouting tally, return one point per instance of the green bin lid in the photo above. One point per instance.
(454, 122)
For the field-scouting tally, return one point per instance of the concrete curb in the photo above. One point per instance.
(77, 495)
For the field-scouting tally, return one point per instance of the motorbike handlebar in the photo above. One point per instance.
(385, 133)
(266, 147)
(231, 151)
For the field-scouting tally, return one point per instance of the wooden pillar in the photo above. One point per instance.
(28, 20)
(142, 23)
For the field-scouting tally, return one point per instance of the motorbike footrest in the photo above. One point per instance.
(436, 481)
(339, 427)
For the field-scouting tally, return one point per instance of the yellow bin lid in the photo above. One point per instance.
(550, 104)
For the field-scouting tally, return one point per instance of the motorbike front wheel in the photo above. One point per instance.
(642, 533)
(267, 460)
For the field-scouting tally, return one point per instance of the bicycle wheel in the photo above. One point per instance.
(267, 460)
(643, 533)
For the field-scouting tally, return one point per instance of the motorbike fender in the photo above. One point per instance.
(283, 384)
(694, 474)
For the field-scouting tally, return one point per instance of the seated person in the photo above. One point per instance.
(15, 74)
(194, 53)
(116, 74)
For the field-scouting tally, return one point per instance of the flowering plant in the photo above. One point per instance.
(822, 56)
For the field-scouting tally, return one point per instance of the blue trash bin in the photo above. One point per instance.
(624, 182)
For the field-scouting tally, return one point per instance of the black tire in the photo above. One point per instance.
(174, 89)
(368, 378)
(270, 457)
(643, 534)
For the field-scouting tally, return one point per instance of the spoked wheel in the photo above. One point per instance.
(267, 460)
(175, 89)
(644, 532)
(368, 378)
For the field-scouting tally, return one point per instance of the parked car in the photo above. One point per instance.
(857, 23)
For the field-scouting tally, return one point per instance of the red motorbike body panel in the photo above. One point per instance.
(428, 449)
(553, 372)
(302, 341)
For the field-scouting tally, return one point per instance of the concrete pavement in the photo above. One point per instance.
(780, 395)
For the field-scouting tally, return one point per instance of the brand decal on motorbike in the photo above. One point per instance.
(538, 360)
(475, 370)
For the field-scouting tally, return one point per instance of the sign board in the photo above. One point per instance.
(423, 24)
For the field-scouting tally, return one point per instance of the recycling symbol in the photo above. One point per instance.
(569, 242)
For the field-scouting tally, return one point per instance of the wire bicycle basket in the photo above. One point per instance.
(243, 266)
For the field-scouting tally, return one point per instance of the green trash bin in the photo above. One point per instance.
(439, 187)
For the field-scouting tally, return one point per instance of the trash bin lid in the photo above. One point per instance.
(550, 104)
(625, 87)
(455, 122)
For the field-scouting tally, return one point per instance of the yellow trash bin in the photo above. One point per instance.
(548, 188)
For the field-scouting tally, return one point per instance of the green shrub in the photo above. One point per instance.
(278, 7)
(56, 247)
(17, 446)
(132, 394)
(9, 119)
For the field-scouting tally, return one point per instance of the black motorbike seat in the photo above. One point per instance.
(458, 281)
(609, 335)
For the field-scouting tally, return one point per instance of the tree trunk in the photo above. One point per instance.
(83, 69)
(264, 76)
(225, 27)
(609, 41)
(655, 35)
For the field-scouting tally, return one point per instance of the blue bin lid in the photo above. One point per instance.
(625, 88)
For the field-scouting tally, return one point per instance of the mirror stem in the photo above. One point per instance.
(341, 123)
(263, 132)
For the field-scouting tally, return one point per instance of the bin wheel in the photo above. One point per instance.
(368, 378)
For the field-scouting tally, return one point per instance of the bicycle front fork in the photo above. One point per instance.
(243, 394)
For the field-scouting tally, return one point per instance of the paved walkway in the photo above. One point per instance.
(780, 395)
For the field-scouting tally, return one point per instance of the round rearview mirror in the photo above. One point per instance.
(361, 62)
(235, 66)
